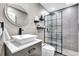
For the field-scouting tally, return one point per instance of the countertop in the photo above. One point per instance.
(14, 49)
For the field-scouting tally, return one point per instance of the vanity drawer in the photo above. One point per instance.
(34, 50)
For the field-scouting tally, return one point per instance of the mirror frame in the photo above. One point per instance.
(15, 7)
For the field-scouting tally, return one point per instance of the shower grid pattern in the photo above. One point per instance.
(53, 30)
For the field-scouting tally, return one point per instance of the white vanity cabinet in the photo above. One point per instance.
(34, 50)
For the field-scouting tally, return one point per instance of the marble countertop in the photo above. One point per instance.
(14, 49)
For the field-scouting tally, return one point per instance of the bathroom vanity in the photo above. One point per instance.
(32, 48)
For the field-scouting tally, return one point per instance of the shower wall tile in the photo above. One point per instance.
(70, 28)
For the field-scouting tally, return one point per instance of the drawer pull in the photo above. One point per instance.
(31, 50)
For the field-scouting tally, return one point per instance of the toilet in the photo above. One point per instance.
(47, 50)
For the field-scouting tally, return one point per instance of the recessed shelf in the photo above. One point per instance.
(36, 21)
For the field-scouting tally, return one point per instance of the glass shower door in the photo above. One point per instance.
(53, 31)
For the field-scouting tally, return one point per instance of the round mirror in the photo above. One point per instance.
(15, 14)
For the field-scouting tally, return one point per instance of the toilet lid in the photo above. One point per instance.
(49, 47)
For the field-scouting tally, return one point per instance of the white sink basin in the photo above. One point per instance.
(24, 38)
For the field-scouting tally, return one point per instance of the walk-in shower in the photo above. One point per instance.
(62, 30)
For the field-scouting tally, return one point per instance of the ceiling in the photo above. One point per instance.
(55, 6)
